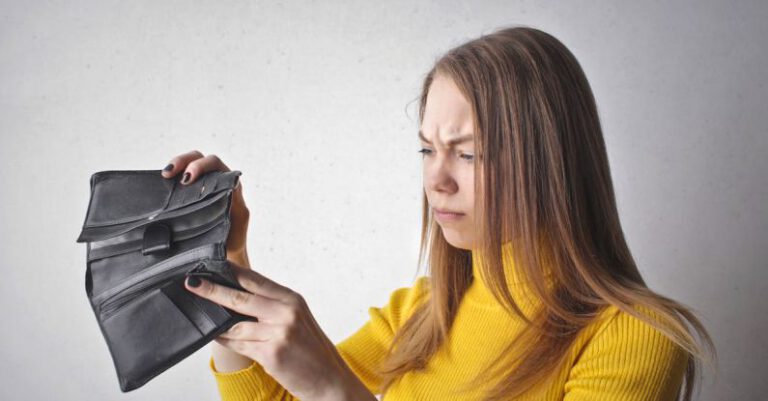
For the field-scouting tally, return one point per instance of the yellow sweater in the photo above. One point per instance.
(617, 358)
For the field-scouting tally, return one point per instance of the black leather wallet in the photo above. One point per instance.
(145, 234)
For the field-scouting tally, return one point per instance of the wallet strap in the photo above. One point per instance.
(204, 314)
(157, 238)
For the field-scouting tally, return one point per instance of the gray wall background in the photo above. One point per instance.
(313, 103)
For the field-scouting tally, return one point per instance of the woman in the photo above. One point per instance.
(532, 292)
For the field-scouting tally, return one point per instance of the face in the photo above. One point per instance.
(447, 140)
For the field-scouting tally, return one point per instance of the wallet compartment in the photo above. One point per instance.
(152, 330)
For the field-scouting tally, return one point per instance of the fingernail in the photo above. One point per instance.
(185, 179)
(193, 281)
(169, 167)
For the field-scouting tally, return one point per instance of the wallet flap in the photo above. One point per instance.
(175, 218)
(114, 200)
(115, 208)
(207, 216)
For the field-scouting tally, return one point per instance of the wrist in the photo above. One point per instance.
(226, 360)
(350, 388)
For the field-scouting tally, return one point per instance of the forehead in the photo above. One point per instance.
(447, 113)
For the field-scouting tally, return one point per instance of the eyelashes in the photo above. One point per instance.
(464, 156)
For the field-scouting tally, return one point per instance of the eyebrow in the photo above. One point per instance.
(452, 141)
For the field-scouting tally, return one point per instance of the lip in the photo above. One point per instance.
(447, 215)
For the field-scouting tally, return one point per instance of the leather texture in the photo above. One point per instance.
(145, 234)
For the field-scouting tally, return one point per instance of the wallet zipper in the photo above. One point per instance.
(153, 274)
(186, 258)
(113, 304)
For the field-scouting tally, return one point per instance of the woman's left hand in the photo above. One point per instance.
(286, 341)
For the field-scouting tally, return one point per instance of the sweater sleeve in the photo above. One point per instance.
(363, 351)
(627, 360)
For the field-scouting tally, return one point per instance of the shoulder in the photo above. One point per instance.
(613, 321)
(405, 299)
(623, 356)
(402, 303)
(616, 327)
(630, 344)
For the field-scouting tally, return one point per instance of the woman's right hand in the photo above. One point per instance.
(192, 165)
(195, 164)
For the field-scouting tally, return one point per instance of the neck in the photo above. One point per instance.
(519, 286)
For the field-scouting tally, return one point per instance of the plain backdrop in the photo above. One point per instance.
(315, 103)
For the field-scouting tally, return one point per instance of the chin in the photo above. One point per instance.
(456, 240)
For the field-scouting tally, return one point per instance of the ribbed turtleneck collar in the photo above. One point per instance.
(480, 293)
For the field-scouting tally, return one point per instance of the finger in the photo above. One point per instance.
(259, 284)
(201, 166)
(179, 163)
(247, 348)
(243, 302)
(238, 199)
(249, 331)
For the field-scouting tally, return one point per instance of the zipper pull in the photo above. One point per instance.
(199, 270)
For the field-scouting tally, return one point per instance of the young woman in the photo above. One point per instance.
(531, 292)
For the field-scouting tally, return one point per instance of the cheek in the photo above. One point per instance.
(467, 182)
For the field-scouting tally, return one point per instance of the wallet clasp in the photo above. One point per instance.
(157, 238)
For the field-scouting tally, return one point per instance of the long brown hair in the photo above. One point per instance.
(546, 190)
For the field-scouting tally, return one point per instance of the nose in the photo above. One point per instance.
(438, 176)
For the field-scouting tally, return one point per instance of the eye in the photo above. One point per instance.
(467, 157)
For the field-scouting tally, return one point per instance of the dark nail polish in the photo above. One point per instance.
(169, 167)
(193, 281)
(186, 178)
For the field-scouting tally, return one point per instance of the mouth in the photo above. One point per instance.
(447, 211)
(445, 215)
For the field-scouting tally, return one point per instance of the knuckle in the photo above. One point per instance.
(208, 290)
(194, 164)
(196, 153)
(257, 278)
(296, 300)
(239, 298)
(236, 330)
(291, 316)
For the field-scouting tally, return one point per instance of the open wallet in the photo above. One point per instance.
(145, 234)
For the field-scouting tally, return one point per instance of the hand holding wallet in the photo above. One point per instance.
(145, 234)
